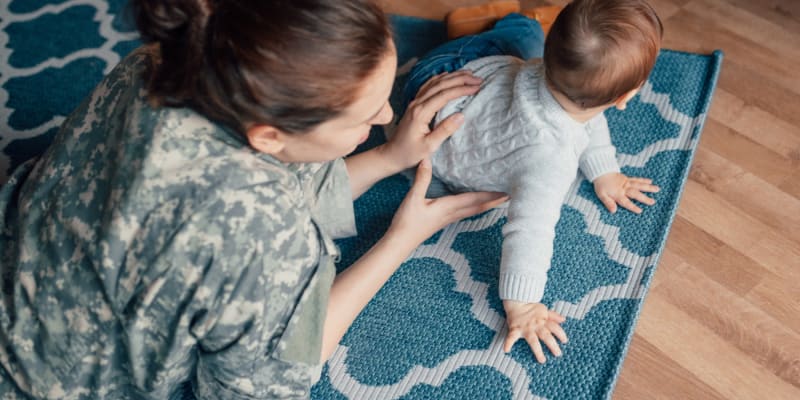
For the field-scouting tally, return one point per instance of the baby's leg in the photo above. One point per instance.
(514, 35)
(517, 35)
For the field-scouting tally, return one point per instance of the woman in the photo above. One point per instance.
(180, 226)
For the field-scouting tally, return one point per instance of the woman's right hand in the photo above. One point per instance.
(413, 139)
(418, 218)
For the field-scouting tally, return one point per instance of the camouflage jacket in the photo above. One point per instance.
(150, 246)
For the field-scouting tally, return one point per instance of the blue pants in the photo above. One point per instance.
(514, 35)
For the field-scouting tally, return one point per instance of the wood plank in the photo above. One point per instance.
(761, 32)
(649, 373)
(702, 32)
(718, 363)
(746, 82)
(703, 25)
(739, 230)
(791, 185)
(746, 154)
(785, 13)
(779, 298)
(739, 323)
(748, 76)
(758, 125)
(665, 8)
(668, 260)
(751, 194)
(725, 265)
(719, 218)
(778, 254)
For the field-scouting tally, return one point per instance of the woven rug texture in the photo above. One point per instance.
(436, 329)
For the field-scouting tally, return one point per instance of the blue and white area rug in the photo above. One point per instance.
(52, 54)
(435, 330)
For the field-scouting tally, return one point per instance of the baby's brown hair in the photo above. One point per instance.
(598, 50)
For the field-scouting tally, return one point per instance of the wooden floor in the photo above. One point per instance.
(722, 318)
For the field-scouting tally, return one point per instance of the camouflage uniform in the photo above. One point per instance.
(149, 246)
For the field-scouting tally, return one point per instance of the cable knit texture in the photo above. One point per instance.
(517, 139)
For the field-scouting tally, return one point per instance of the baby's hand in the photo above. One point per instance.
(534, 322)
(615, 188)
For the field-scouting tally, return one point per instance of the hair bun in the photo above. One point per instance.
(170, 21)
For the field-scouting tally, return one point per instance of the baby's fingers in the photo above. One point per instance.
(556, 317)
(511, 338)
(550, 341)
(558, 331)
(626, 203)
(533, 341)
(608, 202)
(641, 197)
(643, 184)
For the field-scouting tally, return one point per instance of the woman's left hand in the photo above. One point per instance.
(413, 139)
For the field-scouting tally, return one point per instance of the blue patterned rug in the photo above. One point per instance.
(435, 330)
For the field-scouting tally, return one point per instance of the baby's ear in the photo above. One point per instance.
(622, 102)
(266, 139)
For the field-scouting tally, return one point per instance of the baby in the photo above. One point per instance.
(534, 123)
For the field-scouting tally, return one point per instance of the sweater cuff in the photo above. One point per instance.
(522, 288)
(599, 163)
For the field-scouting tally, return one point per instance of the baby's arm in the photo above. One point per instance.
(599, 164)
(538, 190)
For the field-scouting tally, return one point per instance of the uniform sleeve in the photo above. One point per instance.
(333, 200)
(264, 285)
(599, 158)
(537, 193)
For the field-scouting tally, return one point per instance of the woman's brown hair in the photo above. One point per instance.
(292, 64)
(598, 50)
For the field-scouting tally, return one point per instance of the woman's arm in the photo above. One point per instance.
(416, 219)
(413, 139)
(367, 168)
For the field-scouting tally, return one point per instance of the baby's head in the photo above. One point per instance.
(600, 51)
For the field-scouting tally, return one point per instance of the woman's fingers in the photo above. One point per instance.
(425, 86)
(444, 130)
(465, 205)
(422, 179)
(446, 81)
(423, 111)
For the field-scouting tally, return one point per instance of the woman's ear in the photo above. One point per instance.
(266, 139)
(622, 101)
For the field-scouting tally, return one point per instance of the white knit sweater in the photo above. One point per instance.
(517, 139)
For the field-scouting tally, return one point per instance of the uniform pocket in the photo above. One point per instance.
(301, 341)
